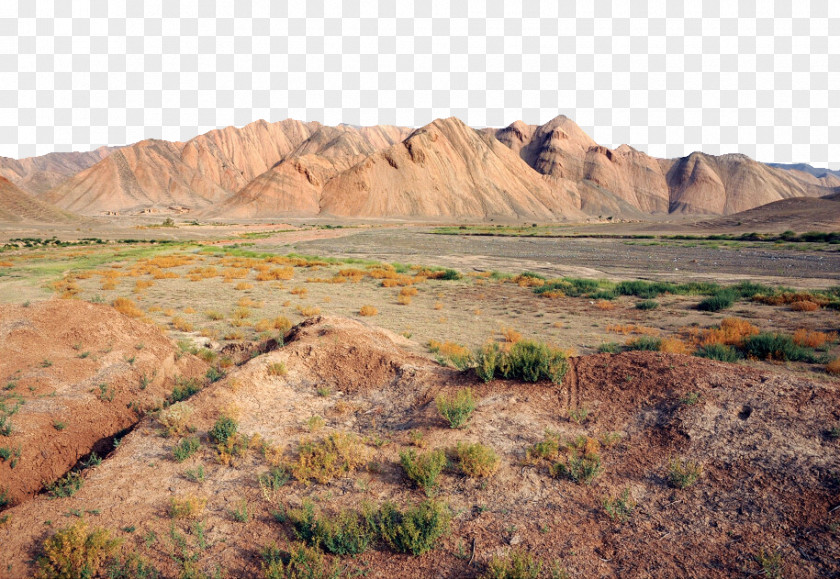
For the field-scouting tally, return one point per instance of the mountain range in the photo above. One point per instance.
(442, 171)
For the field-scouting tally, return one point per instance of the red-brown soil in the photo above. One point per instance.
(770, 477)
(79, 370)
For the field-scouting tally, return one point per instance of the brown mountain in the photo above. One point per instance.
(161, 175)
(293, 186)
(444, 170)
(17, 205)
(39, 174)
(698, 183)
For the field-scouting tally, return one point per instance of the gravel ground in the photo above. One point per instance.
(602, 258)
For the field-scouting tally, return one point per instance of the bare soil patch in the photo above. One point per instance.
(769, 479)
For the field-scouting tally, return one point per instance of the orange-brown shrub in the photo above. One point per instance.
(804, 306)
(408, 291)
(232, 273)
(510, 335)
(282, 323)
(403, 300)
(127, 307)
(181, 324)
(732, 332)
(142, 284)
(243, 285)
(308, 311)
(449, 349)
(675, 346)
(299, 291)
(368, 311)
(247, 302)
(528, 281)
(605, 305)
(277, 273)
(790, 298)
(438, 306)
(632, 329)
(833, 367)
(263, 326)
(812, 339)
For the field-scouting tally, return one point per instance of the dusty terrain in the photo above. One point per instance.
(765, 500)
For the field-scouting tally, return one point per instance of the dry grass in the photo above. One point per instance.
(309, 311)
(263, 326)
(812, 338)
(181, 324)
(625, 329)
(299, 291)
(127, 307)
(731, 332)
(243, 285)
(675, 346)
(282, 323)
(368, 311)
(510, 335)
(804, 306)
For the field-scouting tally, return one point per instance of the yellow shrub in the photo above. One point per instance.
(243, 285)
(75, 552)
(368, 311)
(127, 307)
(181, 324)
(187, 507)
(403, 300)
(282, 323)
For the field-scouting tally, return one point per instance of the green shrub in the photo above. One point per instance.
(610, 348)
(644, 289)
(719, 352)
(450, 275)
(545, 449)
(533, 361)
(183, 389)
(131, 566)
(770, 346)
(683, 473)
(647, 305)
(583, 462)
(517, 564)
(224, 430)
(718, 301)
(75, 553)
(477, 460)
(456, 409)
(487, 359)
(274, 479)
(619, 508)
(185, 448)
(300, 562)
(215, 374)
(415, 530)
(646, 343)
(423, 469)
(347, 533)
(66, 486)
(525, 360)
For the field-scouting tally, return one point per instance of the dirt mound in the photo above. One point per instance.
(797, 214)
(768, 483)
(18, 206)
(75, 374)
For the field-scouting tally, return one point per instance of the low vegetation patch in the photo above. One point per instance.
(683, 473)
(456, 409)
(518, 564)
(582, 462)
(525, 360)
(75, 552)
(346, 533)
(476, 460)
(414, 530)
(336, 455)
(423, 469)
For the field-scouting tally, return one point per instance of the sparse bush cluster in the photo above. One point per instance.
(524, 360)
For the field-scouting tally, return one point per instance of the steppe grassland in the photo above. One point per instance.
(226, 293)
